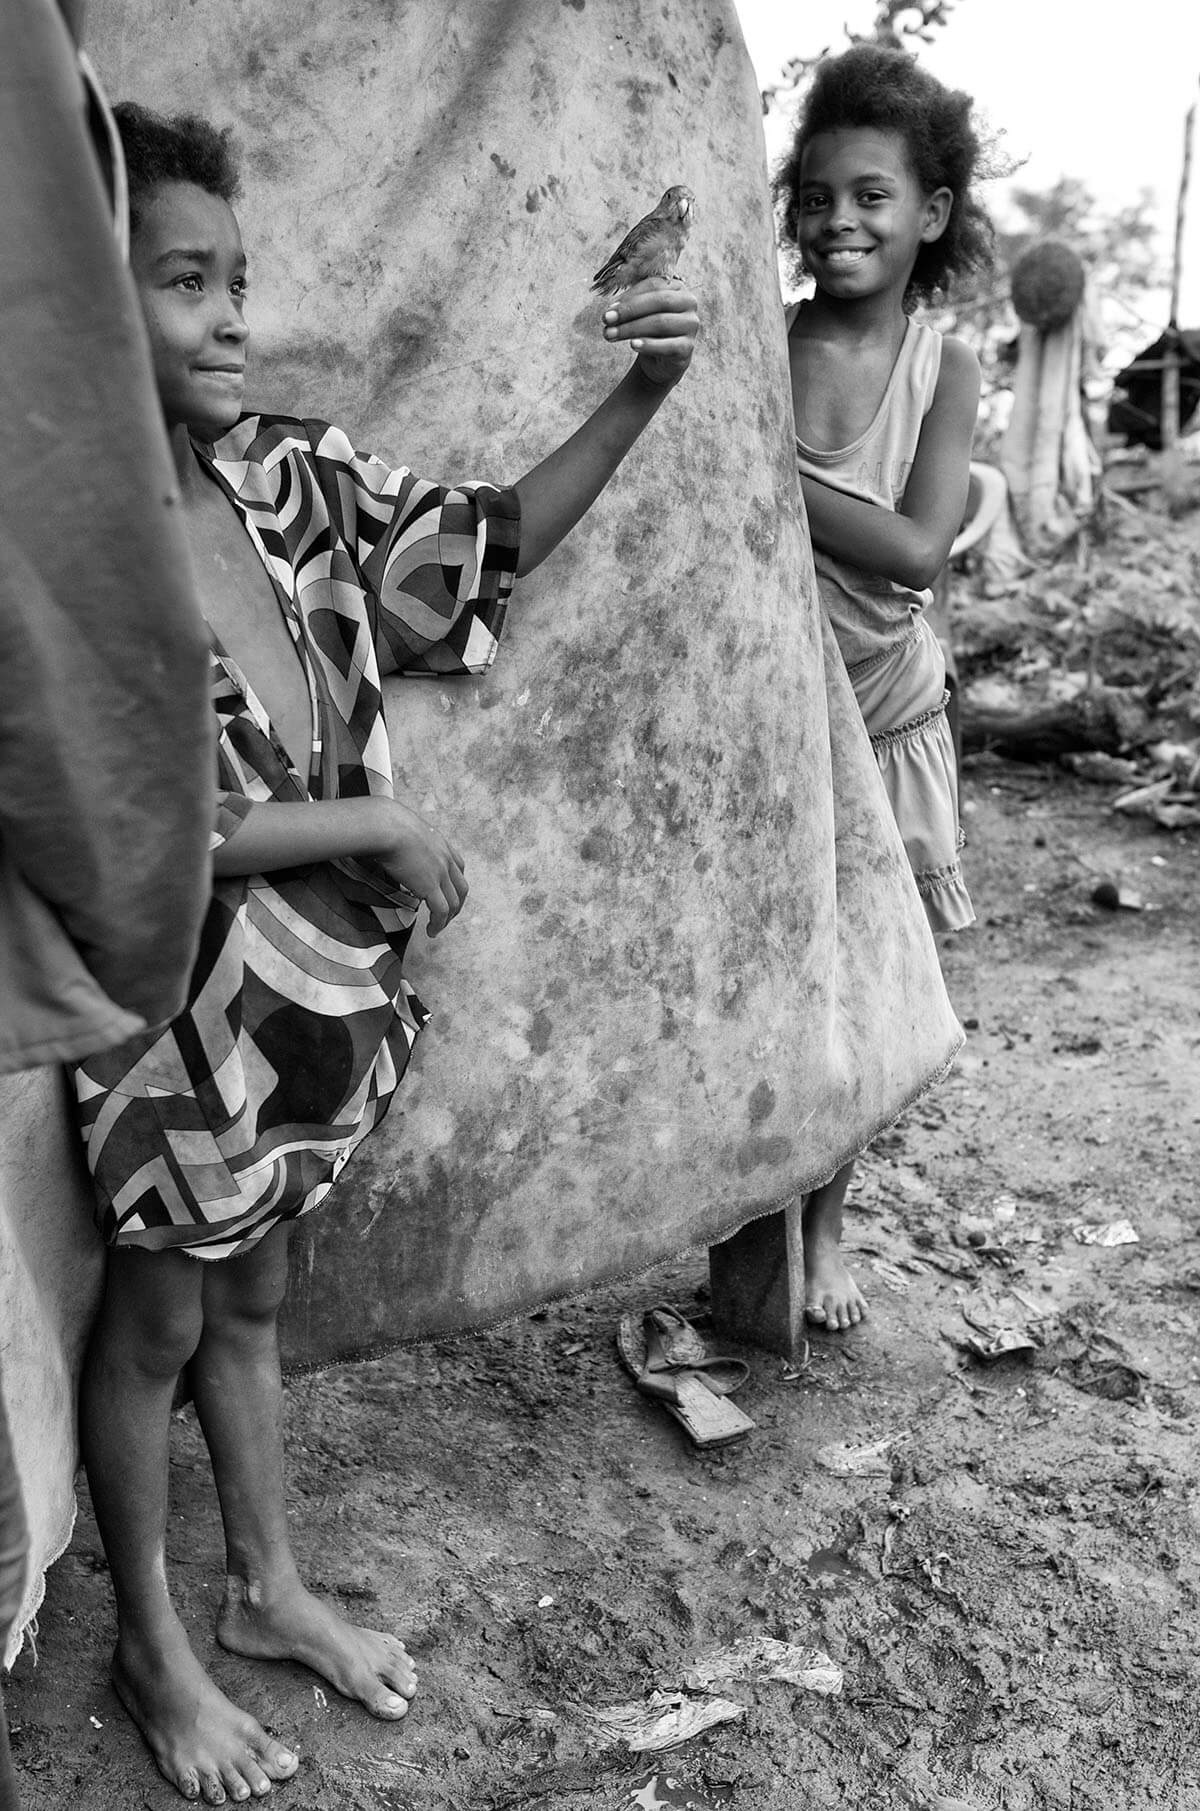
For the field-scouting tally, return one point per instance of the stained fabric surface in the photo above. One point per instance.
(693, 974)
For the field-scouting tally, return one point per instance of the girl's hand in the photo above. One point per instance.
(661, 321)
(413, 853)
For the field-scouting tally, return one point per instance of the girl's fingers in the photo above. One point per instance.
(668, 326)
(637, 305)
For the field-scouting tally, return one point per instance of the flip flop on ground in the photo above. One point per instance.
(669, 1359)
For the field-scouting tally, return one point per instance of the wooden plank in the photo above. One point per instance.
(756, 1280)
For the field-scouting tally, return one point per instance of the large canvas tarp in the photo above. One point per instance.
(692, 975)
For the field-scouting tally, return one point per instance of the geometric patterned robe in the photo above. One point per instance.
(240, 1113)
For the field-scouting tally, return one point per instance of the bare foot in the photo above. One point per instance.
(203, 1744)
(289, 1623)
(832, 1299)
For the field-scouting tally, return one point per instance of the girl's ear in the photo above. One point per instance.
(937, 213)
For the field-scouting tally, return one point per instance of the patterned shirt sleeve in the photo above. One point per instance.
(437, 561)
(231, 811)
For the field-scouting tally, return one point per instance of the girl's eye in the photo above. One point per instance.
(240, 288)
(811, 203)
(191, 280)
(872, 197)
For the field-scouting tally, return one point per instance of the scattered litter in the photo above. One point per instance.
(998, 1342)
(890, 1275)
(758, 1656)
(1117, 1232)
(545, 1602)
(1179, 812)
(1105, 770)
(1117, 897)
(994, 1333)
(95, 1723)
(846, 1461)
(664, 1792)
(663, 1720)
(1039, 1310)
(322, 1700)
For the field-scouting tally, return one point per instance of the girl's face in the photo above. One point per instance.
(190, 270)
(862, 216)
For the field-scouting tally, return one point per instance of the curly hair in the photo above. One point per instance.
(183, 148)
(890, 92)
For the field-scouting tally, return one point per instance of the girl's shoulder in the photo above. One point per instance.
(960, 368)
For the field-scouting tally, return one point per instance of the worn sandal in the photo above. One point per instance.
(668, 1359)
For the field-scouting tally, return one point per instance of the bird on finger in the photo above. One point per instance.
(653, 247)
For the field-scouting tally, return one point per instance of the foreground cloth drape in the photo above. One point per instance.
(105, 745)
(105, 741)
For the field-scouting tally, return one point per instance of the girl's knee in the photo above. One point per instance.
(242, 1299)
(152, 1314)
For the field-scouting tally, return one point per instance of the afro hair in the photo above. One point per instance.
(888, 91)
(183, 148)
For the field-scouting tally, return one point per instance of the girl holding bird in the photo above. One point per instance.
(877, 207)
(320, 570)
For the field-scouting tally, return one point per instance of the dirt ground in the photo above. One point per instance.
(1008, 1582)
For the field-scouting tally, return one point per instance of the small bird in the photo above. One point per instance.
(652, 248)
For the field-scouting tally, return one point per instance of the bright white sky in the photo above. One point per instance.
(1082, 88)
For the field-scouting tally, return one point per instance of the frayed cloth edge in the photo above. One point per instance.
(498, 1322)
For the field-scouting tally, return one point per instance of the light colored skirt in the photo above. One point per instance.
(902, 695)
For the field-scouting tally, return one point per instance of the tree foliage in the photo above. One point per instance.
(897, 25)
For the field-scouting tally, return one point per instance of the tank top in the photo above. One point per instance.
(872, 615)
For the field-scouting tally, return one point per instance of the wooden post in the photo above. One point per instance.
(1172, 463)
(756, 1283)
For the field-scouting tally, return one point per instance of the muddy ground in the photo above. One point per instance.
(1009, 1585)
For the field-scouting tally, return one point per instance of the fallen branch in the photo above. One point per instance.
(1107, 718)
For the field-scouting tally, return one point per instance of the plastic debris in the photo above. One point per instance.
(1114, 896)
(664, 1792)
(846, 1461)
(890, 1275)
(760, 1657)
(1117, 1232)
(663, 1720)
(997, 1342)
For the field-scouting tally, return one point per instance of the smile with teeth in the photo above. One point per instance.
(845, 254)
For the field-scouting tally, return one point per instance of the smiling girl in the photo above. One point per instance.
(877, 205)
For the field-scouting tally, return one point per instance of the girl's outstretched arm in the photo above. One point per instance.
(910, 546)
(660, 321)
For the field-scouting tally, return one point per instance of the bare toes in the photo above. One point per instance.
(278, 1763)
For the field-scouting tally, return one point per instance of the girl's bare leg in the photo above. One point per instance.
(832, 1299)
(148, 1327)
(267, 1613)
